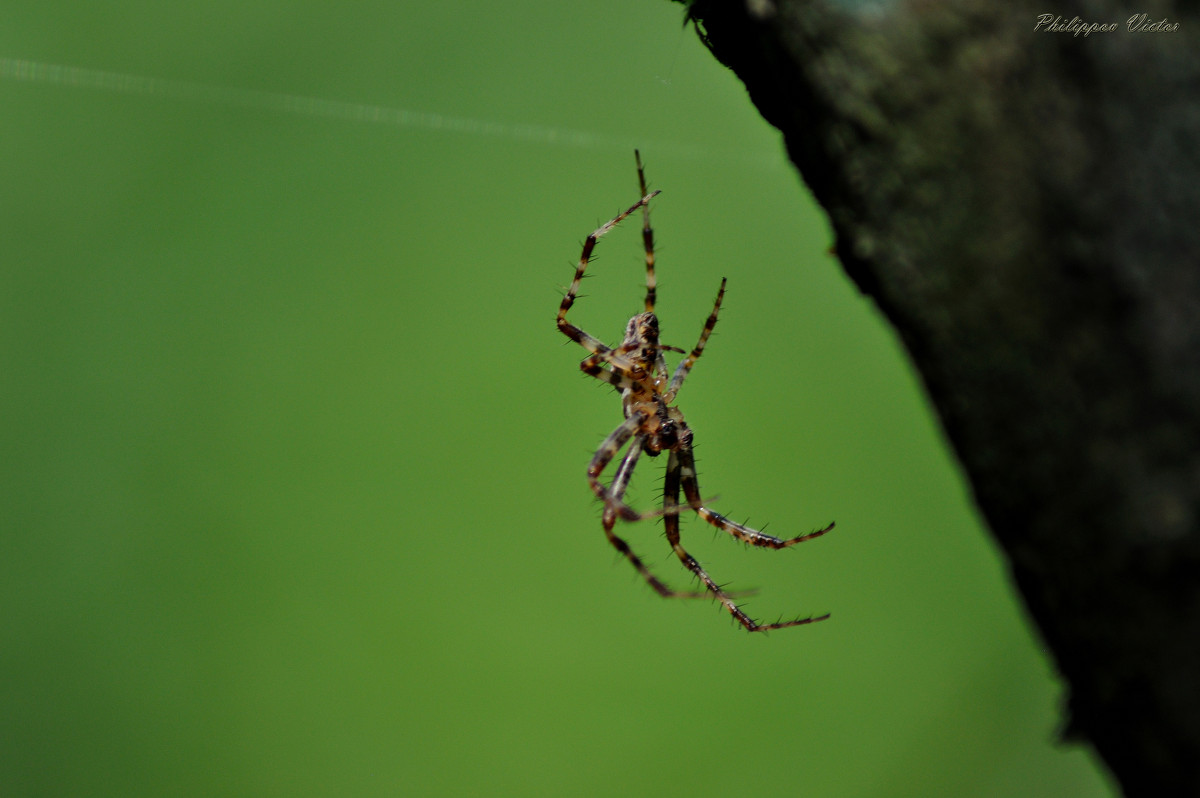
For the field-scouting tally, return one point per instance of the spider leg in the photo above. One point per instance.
(691, 487)
(647, 239)
(604, 455)
(619, 484)
(575, 333)
(671, 522)
(648, 243)
(593, 366)
(619, 377)
(685, 365)
(620, 481)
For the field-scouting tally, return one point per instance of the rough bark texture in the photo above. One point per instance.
(1024, 206)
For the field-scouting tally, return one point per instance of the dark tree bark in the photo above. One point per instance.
(1024, 206)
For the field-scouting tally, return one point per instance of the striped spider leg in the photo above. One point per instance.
(653, 425)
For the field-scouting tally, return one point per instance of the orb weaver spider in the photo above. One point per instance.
(653, 425)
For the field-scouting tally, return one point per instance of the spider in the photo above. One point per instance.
(653, 425)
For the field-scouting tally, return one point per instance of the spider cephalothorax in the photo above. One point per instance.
(653, 425)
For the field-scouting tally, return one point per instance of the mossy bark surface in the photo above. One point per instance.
(1024, 206)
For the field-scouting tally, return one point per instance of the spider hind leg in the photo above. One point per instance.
(616, 492)
(691, 488)
(679, 464)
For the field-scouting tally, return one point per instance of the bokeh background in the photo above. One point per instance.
(293, 495)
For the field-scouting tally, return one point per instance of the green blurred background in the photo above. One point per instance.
(293, 456)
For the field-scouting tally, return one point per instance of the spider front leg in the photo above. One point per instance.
(691, 488)
(647, 238)
(685, 365)
(671, 522)
(593, 366)
(576, 334)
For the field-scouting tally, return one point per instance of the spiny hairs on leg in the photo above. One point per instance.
(671, 487)
(585, 256)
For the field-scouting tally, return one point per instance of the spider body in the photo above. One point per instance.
(653, 425)
(661, 424)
